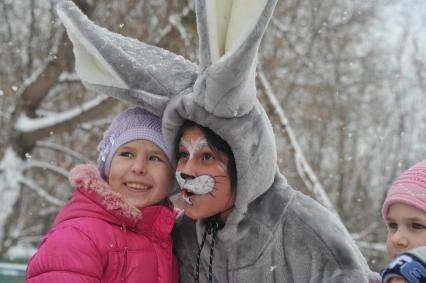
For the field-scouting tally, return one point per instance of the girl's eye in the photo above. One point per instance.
(418, 226)
(183, 154)
(126, 154)
(154, 158)
(392, 226)
(207, 156)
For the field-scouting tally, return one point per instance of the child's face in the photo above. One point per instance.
(197, 161)
(141, 173)
(406, 229)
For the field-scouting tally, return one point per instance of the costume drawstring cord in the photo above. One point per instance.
(215, 230)
(197, 268)
(212, 228)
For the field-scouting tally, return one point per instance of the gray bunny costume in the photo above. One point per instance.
(274, 233)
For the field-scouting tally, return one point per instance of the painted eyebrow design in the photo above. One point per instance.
(199, 143)
(194, 145)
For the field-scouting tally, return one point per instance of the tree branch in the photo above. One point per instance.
(304, 170)
(63, 149)
(46, 166)
(42, 193)
(32, 130)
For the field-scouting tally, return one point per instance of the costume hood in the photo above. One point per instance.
(218, 93)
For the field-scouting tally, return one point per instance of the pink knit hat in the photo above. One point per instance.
(409, 188)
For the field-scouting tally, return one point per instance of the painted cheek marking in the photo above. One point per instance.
(222, 167)
(180, 180)
(200, 185)
(194, 145)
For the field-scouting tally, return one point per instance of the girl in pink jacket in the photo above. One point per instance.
(117, 225)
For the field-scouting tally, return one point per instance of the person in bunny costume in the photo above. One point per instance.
(271, 233)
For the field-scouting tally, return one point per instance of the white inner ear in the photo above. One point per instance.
(218, 13)
(89, 63)
(230, 22)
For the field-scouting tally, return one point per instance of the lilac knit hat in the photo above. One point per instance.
(127, 126)
(409, 188)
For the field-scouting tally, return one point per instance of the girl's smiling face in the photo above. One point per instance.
(203, 176)
(406, 229)
(141, 173)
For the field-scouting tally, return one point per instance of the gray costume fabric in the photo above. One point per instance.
(274, 233)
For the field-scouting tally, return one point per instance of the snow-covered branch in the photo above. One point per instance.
(10, 175)
(308, 63)
(26, 124)
(37, 86)
(66, 77)
(63, 149)
(379, 247)
(46, 166)
(304, 170)
(5, 115)
(366, 231)
(90, 125)
(32, 130)
(175, 20)
(42, 193)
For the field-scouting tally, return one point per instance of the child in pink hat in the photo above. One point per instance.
(404, 212)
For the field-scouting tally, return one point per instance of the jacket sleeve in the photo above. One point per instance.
(318, 247)
(66, 255)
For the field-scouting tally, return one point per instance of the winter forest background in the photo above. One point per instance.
(343, 81)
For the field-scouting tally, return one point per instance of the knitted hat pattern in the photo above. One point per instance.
(129, 125)
(409, 188)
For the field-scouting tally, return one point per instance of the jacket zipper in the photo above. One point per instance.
(124, 271)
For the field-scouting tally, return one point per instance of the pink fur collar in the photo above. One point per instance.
(87, 178)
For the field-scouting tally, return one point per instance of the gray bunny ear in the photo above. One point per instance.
(230, 32)
(122, 67)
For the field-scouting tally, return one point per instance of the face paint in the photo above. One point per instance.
(193, 146)
(203, 175)
(223, 167)
(200, 185)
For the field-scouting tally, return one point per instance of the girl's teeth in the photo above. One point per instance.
(186, 199)
(137, 186)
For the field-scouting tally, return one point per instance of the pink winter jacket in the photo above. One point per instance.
(98, 237)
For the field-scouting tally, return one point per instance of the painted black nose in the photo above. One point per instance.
(186, 176)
